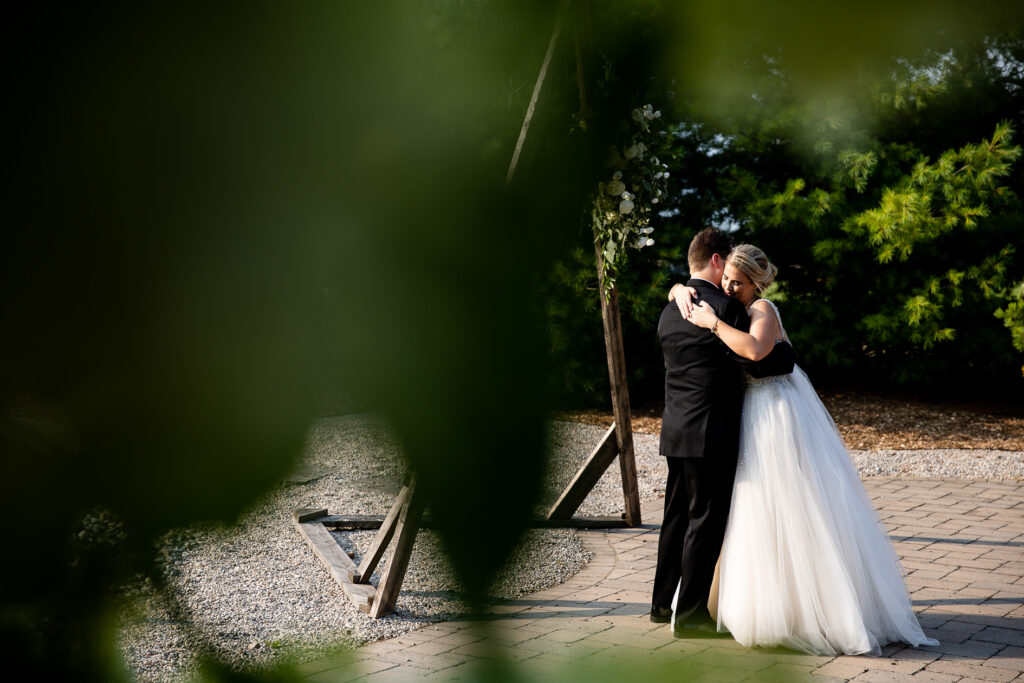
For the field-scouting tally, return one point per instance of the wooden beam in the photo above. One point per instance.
(362, 594)
(588, 475)
(326, 548)
(536, 92)
(407, 527)
(610, 305)
(307, 514)
(371, 522)
(380, 542)
(338, 563)
(351, 522)
(364, 522)
(620, 394)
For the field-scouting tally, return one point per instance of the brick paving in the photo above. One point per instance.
(961, 543)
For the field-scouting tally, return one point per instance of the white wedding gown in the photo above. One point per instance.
(806, 564)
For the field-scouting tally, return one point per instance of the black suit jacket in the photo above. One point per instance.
(703, 385)
(704, 380)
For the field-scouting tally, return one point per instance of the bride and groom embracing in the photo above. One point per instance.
(768, 533)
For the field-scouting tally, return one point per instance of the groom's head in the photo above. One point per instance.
(707, 254)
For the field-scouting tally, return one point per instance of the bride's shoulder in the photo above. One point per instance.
(768, 307)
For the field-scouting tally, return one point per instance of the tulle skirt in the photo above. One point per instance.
(806, 563)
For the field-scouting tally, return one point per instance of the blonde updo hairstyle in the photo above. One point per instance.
(752, 262)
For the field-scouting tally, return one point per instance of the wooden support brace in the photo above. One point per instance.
(380, 543)
(587, 476)
(408, 525)
(536, 92)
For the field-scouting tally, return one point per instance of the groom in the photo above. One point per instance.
(700, 427)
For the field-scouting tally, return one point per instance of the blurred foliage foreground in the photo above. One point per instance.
(216, 211)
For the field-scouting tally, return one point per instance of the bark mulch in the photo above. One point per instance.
(876, 421)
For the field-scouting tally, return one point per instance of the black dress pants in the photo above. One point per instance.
(698, 493)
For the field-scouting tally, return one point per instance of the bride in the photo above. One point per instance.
(806, 563)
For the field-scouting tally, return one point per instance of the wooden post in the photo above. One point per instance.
(610, 310)
(622, 433)
(620, 394)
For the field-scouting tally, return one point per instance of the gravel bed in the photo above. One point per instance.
(254, 593)
(944, 463)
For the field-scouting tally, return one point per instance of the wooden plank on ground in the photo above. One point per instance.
(362, 594)
(380, 542)
(325, 547)
(587, 476)
(337, 561)
(408, 525)
(364, 522)
(308, 514)
(352, 521)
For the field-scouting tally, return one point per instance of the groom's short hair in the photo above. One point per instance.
(705, 244)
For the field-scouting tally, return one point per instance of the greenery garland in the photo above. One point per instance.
(622, 206)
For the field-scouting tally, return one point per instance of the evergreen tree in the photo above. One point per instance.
(890, 212)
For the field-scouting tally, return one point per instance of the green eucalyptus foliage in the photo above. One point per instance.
(623, 204)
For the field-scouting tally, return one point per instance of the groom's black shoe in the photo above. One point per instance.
(661, 615)
(697, 629)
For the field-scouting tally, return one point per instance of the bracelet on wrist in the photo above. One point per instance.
(714, 328)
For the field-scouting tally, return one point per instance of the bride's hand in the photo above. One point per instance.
(703, 316)
(683, 296)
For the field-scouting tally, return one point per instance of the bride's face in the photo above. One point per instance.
(737, 285)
